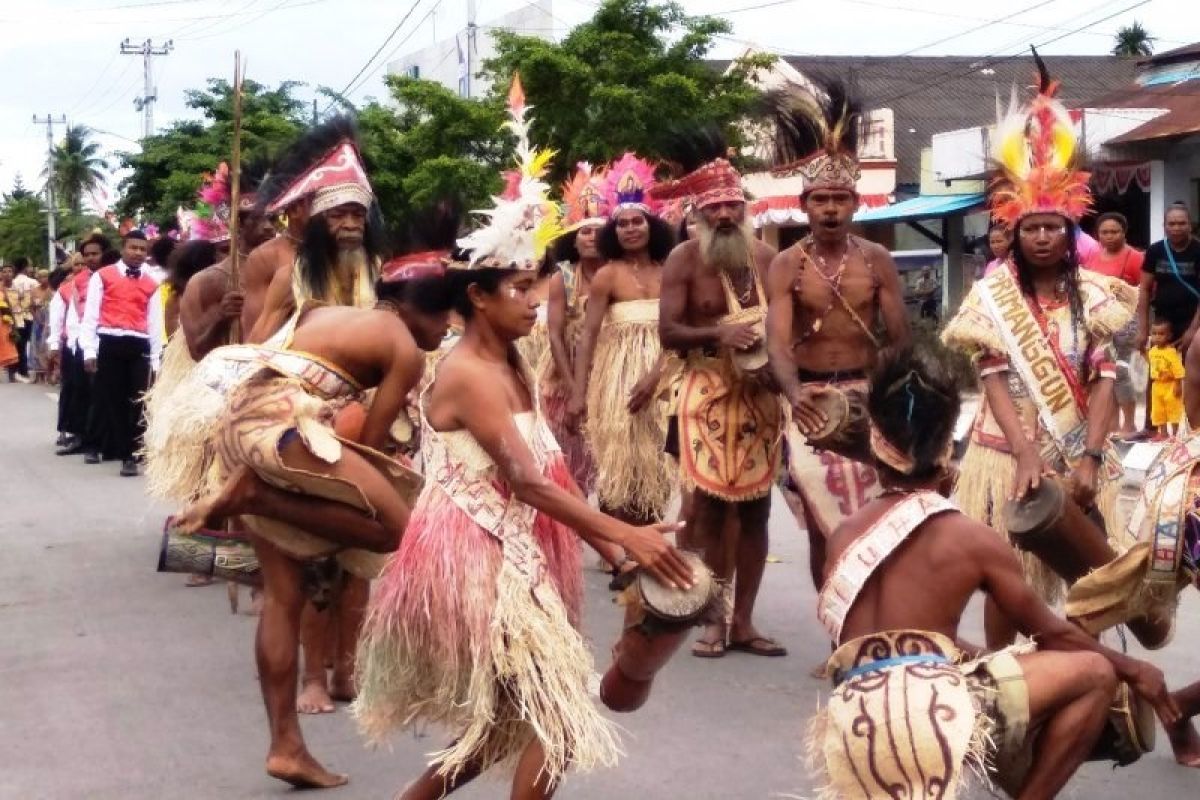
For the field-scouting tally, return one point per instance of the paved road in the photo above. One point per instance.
(118, 683)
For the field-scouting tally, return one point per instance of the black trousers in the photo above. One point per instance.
(23, 334)
(66, 389)
(122, 376)
(79, 409)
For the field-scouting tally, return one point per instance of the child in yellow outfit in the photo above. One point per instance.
(1166, 376)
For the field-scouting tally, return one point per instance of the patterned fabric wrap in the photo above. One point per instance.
(633, 471)
(1147, 578)
(473, 624)
(730, 432)
(828, 486)
(912, 728)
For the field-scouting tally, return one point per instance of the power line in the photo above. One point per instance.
(91, 102)
(99, 77)
(977, 28)
(378, 50)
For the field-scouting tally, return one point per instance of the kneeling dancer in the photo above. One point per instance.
(900, 573)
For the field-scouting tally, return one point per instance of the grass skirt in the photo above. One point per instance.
(555, 400)
(633, 471)
(455, 636)
(175, 446)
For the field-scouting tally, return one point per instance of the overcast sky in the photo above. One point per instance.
(62, 56)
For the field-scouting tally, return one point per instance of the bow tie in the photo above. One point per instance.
(133, 272)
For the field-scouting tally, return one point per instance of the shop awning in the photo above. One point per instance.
(926, 206)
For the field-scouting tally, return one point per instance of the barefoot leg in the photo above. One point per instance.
(1185, 741)
(530, 781)
(349, 611)
(314, 644)
(276, 646)
(1069, 696)
(707, 531)
(431, 786)
(751, 561)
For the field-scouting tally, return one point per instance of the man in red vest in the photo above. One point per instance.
(121, 339)
(75, 393)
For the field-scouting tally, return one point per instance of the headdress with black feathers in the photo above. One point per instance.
(699, 156)
(310, 149)
(817, 134)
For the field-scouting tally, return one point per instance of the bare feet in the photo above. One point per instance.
(1185, 741)
(342, 688)
(314, 698)
(194, 581)
(229, 500)
(303, 771)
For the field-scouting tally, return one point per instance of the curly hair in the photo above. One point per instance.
(914, 402)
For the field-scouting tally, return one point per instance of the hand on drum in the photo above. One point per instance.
(807, 415)
(1030, 470)
(739, 336)
(653, 553)
(1150, 684)
(1083, 484)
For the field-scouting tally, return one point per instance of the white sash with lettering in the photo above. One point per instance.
(1031, 355)
(859, 561)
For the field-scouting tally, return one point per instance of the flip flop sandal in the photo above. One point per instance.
(769, 649)
(714, 648)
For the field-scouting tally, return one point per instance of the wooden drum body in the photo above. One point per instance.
(847, 430)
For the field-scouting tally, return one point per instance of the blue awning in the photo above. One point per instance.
(926, 206)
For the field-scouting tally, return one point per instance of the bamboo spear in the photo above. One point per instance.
(235, 192)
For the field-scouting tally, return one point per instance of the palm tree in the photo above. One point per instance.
(78, 167)
(1133, 41)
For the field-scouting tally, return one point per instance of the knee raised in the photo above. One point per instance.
(1098, 672)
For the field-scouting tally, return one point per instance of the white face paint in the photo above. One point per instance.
(513, 291)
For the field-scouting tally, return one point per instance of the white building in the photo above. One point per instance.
(456, 62)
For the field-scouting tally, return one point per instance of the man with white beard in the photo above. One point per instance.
(712, 310)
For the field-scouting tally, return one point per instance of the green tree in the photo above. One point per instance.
(19, 192)
(432, 145)
(23, 228)
(167, 172)
(1133, 41)
(623, 79)
(78, 168)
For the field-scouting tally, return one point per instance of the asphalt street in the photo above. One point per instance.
(119, 683)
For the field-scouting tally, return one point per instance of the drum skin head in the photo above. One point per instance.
(1038, 508)
(836, 407)
(678, 605)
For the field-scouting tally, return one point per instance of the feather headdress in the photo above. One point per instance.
(627, 184)
(1036, 157)
(209, 220)
(699, 157)
(520, 226)
(817, 134)
(583, 197)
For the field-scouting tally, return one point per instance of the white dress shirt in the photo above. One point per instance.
(90, 329)
(61, 315)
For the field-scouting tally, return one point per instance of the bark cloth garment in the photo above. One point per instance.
(999, 328)
(828, 486)
(1165, 523)
(555, 394)
(908, 716)
(633, 472)
(730, 425)
(238, 407)
(473, 624)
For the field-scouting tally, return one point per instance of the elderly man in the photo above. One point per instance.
(712, 310)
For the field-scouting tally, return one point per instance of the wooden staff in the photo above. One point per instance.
(235, 193)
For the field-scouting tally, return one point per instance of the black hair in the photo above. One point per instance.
(1068, 271)
(682, 234)
(57, 276)
(564, 248)
(430, 295)
(318, 250)
(1000, 226)
(97, 239)
(20, 264)
(662, 239)
(488, 280)
(913, 402)
(109, 257)
(1178, 205)
(188, 259)
(161, 250)
(301, 155)
(1115, 216)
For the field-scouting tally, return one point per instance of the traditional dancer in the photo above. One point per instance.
(901, 571)
(828, 295)
(121, 338)
(579, 260)
(337, 257)
(619, 363)
(1041, 332)
(713, 309)
(474, 621)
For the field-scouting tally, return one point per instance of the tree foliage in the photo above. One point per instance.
(1133, 41)
(166, 174)
(623, 80)
(79, 169)
(23, 228)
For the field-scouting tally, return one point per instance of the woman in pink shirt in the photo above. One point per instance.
(1117, 259)
(999, 243)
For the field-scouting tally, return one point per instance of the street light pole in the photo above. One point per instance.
(51, 233)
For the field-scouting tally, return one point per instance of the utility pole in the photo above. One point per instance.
(470, 43)
(145, 103)
(51, 233)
